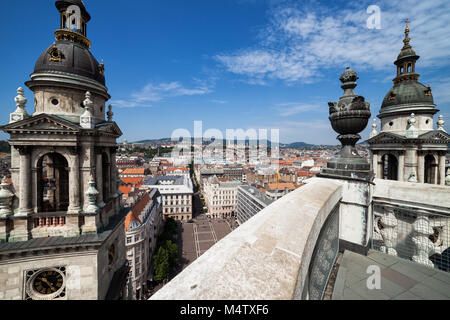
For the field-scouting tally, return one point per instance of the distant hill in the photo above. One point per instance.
(247, 142)
(297, 145)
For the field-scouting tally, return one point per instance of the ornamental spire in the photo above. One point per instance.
(407, 39)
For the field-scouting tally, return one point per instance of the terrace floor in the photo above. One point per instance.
(400, 279)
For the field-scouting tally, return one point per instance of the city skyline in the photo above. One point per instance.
(237, 64)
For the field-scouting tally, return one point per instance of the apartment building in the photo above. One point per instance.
(176, 192)
(142, 228)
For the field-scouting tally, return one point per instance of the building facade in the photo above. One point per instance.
(250, 201)
(143, 225)
(176, 192)
(221, 197)
(61, 228)
(408, 148)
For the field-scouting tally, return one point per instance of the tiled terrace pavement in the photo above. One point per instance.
(199, 236)
(400, 279)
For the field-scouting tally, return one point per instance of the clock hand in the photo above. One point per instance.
(48, 283)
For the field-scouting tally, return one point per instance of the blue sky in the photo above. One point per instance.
(234, 63)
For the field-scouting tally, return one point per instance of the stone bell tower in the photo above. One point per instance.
(408, 148)
(64, 209)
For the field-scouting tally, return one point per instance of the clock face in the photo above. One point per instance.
(48, 282)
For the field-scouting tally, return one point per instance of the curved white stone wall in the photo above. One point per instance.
(264, 257)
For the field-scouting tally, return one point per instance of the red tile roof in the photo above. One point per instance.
(140, 171)
(134, 213)
(132, 180)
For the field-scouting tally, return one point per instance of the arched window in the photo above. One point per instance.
(106, 172)
(53, 183)
(390, 167)
(430, 165)
(409, 67)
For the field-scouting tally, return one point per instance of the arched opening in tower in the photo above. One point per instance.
(53, 183)
(106, 172)
(430, 166)
(390, 167)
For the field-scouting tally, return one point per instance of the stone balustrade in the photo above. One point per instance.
(412, 220)
(270, 256)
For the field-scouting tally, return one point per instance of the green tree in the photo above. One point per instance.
(172, 250)
(161, 265)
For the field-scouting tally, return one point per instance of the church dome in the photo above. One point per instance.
(407, 93)
(70, 57)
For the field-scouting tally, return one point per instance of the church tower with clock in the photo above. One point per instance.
(61, 223)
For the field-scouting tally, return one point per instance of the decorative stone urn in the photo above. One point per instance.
(6, 197)
(349, 116)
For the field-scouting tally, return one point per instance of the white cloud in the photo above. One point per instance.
(292, 108)
(219, 101)
(157, 92)
(301, 39)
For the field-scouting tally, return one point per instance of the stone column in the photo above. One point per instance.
(442, 168)
(421, 167)
(380, 168)
(401, 166)
(35, 189)
(435, 173)
(74, 183)
(410, 162)
(99, 175)
(25, 208)
(375, 164)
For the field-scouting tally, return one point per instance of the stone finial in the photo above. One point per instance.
(6, 197)
(88, 104)
(374, 127)
(21, 101)
(87, 120)
(110, 113)
(91, 195)
(412, 178)
(411, 131)
(440, 123)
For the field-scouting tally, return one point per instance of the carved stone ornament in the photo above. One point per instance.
(6, 197)
(55, 54)
(20, 113)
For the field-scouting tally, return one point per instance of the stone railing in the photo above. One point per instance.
(412, 221)
(275, 255)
